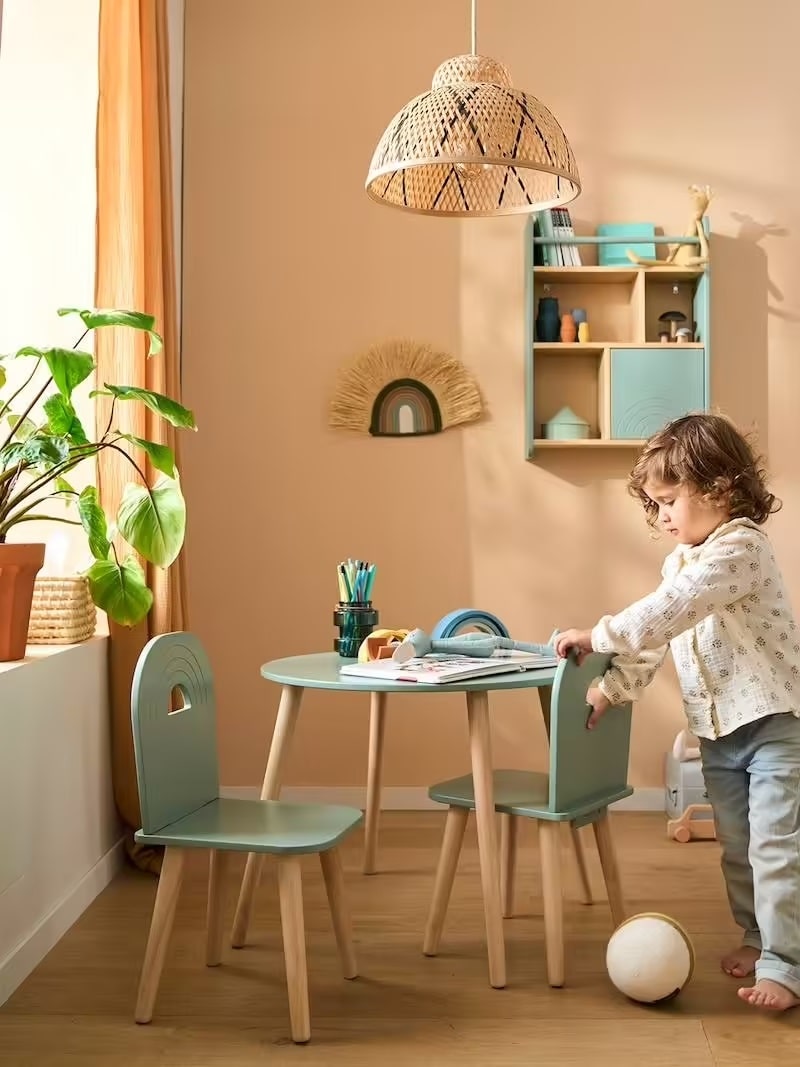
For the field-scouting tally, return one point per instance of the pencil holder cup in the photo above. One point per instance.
(356, 620)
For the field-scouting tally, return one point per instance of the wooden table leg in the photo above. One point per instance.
(481, 751)
(377, 726)
(288, 711)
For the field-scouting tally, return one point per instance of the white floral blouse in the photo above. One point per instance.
(723, 609)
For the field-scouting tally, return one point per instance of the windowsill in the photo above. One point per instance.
(37, 653)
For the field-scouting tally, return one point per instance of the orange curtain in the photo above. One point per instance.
(136, 270)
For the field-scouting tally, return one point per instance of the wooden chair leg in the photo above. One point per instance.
(290, 891)
(550, 848)
(288, 713)
(247, 899)
(331, 864)
(580, 859)
(608, 861)
(509, 827)
(377, 729)
(454, 827)
(169, 887)
(217, 866)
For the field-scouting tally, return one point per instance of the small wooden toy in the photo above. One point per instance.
(380, 644)
(565, 425)
(696, 822)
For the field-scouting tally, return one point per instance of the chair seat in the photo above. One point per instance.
(525, 793)
(258, 826)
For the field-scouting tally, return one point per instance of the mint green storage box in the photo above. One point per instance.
(615, 255)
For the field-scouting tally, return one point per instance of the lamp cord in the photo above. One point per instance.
(474, 27)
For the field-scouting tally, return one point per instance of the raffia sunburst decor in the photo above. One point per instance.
(404, 388)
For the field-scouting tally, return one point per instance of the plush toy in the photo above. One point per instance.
(419, 643)
(684, 255)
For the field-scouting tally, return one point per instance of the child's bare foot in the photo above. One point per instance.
(771, 995)
(741, 962)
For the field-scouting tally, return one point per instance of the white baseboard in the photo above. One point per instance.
(30, 952)
(410, 797)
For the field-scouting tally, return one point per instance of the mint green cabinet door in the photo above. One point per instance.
(650, 386)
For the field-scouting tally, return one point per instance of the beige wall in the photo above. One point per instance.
(290, 269)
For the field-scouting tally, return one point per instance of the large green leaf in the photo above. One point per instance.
(63, 420)
(2, 377)
(161, 456)
(153, 521)
(165, 406)
(38, 450)
(68, 366)
(23, 428)
(120, 590)
(93, 520)
(136, 320)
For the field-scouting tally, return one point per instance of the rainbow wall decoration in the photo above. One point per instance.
(405, 407)
(404, 389)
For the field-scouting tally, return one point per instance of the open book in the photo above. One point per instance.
(439, 669)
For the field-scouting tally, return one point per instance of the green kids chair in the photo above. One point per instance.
(588, 771)
(177, 772)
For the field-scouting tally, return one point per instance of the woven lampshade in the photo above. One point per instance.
(473, 145)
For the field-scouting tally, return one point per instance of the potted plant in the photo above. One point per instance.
(42, 440)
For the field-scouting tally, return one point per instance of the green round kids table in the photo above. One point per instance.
(321, 671)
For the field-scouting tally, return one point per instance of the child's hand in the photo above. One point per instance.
(599, 703)
(578, 640)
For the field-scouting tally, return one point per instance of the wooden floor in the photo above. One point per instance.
(76, 1009)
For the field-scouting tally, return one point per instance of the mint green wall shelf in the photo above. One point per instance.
(624, 382)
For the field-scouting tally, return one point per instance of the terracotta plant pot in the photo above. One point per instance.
(19, 565)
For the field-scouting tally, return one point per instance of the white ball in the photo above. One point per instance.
(650, 958)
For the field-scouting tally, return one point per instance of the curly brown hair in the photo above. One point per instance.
(709, 454)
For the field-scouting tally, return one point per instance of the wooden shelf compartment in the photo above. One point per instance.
(572, 382)
(615, 308)
(589, 442)
(666, 294)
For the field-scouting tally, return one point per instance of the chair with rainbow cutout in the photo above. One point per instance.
(176, 767)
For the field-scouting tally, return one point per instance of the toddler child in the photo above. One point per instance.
(723, 610)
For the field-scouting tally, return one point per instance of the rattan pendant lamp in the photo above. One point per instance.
(473, 145)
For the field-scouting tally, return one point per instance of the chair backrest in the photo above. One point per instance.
(175, 747)
(585, 764)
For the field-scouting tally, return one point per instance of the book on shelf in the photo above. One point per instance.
(554, 223)
(439, 669)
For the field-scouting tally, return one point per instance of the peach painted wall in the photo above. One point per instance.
(290, 269)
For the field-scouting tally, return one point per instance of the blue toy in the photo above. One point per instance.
(446, 639)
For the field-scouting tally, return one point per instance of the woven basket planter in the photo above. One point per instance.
(63, 612)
